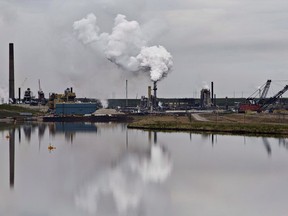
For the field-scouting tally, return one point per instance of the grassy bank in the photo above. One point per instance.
(7, 110)
(231, 123)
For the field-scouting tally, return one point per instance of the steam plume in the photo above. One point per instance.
(125, 46)
(3, 94)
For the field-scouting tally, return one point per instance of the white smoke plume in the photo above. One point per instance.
(3, 95)
(157, 60)
(125, 46)
(205, 85)
(87, 29)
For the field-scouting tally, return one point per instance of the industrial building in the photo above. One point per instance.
(66, 104)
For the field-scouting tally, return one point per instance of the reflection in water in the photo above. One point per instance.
(125, 184)
(70, 129)
(12, 156)
(99, 175)
(155, 137)
(29, 129)
(41, 130)
(267, 146)
(19, 134)
(283, 142)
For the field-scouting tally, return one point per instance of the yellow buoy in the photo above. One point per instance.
(50, 147)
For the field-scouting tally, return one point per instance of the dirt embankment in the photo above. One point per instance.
(256, 124)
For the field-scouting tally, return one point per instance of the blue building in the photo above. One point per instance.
(75, 108)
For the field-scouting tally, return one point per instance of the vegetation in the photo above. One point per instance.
(256, 124)
(7, 110)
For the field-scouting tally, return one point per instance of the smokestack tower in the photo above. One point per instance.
(126, 93)
(155, 89)
(212, 93)
(149, 98)
(11, 72)
(149, 92)
(155, 94)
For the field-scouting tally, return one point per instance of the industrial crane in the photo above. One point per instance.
(252, 103)
(264, 92)
(273, 99)
(261, 104)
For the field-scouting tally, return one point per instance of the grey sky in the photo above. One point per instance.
(238, 44)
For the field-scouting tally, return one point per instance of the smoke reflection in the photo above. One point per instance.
(126, 184)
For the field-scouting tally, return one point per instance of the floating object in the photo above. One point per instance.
(50, 147)
(7, 136)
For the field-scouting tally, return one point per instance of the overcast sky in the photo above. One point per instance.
(238, 44)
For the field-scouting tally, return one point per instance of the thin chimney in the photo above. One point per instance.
(11, 72)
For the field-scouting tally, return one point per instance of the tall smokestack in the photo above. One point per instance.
(126, 93)
(155, 89)
(19, 94)
(212, 93)
(11, 72)
(149, 92)
(149, 98)
(155, 94)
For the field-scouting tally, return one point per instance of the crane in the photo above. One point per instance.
(253, 104)
(261, 104)
(264, 92)
(41, 96)
(274, 98)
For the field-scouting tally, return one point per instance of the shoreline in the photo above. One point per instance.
(258, 124)
(231, 124)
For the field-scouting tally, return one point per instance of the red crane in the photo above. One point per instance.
(260, 104)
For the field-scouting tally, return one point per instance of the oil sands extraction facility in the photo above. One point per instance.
(68, 104)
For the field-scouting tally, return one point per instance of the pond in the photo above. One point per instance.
(77, 169)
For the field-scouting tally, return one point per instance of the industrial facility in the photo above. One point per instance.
(67, 104)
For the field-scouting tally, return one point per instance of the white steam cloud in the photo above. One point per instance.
(127, 182)
(125, 46)
(3, 95)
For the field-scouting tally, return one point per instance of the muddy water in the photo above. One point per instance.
(105, 169)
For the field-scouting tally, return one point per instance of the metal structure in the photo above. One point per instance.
(27, 96)
(262, 103)
(273, 99)
(68, 96)
(205, 98)
(41, 95)
(263, 93)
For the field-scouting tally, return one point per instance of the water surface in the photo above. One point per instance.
(105, 169)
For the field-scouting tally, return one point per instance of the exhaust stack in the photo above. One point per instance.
(11, 73)
(155, 89)
(212, 93)
(155, 95)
